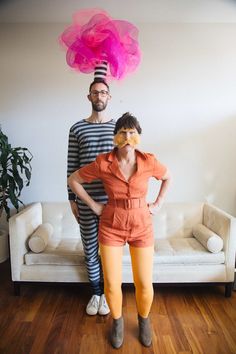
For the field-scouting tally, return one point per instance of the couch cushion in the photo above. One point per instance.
(60, 216)
(68, 251)
(185, 251)
(209, 239)
(39, 239)
(176, 220)
(172, 251)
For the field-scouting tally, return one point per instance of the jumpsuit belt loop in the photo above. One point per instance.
(132, 203)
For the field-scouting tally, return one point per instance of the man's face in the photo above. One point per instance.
(99, 97)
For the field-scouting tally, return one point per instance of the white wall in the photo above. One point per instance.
(183, 94)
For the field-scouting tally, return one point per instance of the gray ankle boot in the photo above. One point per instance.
(117, 332)
(145, 333)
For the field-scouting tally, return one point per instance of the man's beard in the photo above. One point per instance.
(99, 106)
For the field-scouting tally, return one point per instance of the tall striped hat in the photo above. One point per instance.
(100, 71)
(95, 36)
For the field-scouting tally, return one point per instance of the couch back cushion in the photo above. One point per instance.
(177, 220)
(173, 220)
(60, 216)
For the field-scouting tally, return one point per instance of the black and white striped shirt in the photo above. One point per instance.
(86, 141)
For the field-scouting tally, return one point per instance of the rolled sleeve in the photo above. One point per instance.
(159, 170)
(90, 172)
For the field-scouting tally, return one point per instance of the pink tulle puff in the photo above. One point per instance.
(94, 36)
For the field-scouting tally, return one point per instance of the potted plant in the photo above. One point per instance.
(15, 172)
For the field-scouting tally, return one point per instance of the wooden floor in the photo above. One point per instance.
(52, 319)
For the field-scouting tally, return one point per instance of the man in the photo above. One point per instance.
(88, 138)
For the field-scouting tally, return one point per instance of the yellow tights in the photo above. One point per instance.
(142, 263)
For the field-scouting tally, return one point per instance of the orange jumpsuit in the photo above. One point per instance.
(126, 217)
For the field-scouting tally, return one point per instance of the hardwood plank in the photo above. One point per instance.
(52, 320)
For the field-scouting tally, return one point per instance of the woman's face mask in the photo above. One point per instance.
(126, 136)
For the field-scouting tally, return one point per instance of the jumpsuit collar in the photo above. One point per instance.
(114, 167)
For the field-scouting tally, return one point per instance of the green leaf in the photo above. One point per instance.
(27, 173)
(7, 210)
(18, 179)
(14, 168)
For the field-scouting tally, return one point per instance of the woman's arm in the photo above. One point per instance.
(75, 183)
(165, 182)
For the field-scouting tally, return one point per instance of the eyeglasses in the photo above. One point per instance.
(95, 93)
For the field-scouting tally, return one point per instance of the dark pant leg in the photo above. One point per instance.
(89, 235)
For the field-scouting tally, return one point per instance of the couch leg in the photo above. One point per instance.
(228, 289)
(16, 288)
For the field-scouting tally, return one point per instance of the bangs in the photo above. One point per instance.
(127, 121)
(129, 124)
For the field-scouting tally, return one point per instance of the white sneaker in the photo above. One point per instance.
(103, 306)
(93, 305)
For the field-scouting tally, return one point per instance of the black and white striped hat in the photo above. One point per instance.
(100, 72)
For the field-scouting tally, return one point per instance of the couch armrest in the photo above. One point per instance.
(224, 225)
(21, 226)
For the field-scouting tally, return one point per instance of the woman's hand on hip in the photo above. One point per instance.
(98, 208)
(155, 207)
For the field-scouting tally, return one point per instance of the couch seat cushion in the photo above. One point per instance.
(181, 251)
(69, 251)
(185, 251)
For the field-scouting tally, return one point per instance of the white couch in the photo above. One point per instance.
(179, 257)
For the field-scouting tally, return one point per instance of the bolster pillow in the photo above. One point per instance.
(39, 239)
(209, 239)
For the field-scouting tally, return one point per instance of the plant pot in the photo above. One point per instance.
(4, 250)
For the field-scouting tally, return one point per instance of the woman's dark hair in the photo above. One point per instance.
(127, 120)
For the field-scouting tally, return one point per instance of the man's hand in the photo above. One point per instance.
(75, 209)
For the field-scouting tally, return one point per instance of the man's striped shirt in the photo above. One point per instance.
(86, 141)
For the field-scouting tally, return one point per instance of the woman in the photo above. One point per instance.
(126, 217)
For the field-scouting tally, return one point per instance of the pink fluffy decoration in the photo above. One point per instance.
(94, 37)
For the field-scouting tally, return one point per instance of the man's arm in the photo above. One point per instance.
(72, 165)
(72, 160)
